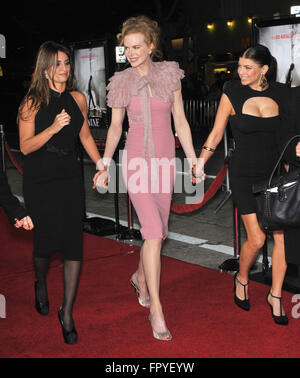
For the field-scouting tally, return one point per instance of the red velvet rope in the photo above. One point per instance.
(13, 159)
(211, 191)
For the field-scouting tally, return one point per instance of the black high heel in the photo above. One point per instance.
(41, 307)
(70, 337)
(281, 319)
(245, 303)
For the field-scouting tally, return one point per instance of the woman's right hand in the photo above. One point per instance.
(25, 222)
(61, 120)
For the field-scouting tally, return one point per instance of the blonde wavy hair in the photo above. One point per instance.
(142, 24)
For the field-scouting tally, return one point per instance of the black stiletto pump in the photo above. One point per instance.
(281, 319)
(245, 303)
(41, 307)
(70, 337)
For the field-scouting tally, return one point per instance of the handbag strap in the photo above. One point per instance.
(280, 157)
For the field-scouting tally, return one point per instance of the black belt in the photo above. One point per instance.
(58, 150)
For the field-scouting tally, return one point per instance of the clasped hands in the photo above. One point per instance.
(197, 172)
(25, 223)
(102, 177)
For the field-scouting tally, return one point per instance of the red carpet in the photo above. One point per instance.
(198, 305)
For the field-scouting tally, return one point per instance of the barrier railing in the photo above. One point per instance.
(200, 113)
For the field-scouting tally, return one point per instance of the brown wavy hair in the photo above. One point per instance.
(142, 24)
(38, 94)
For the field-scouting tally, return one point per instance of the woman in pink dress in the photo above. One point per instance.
(149, 92)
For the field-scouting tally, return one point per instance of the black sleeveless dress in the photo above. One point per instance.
(52, 183)
(258, 142)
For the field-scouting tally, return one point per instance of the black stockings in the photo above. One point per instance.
(41, 266)
(71, 278)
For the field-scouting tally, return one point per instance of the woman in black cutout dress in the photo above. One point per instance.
(51, 118)
(261, 135)
(256, 108)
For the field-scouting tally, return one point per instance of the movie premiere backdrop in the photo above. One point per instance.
(282, 37)
(91, 71)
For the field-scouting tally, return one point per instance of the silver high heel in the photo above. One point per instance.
(143, 302)
(162, 336)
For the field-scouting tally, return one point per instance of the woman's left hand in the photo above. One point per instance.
(25, 222)
(298, 149)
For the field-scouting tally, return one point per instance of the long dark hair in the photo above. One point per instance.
(38, 94)
(262, 56)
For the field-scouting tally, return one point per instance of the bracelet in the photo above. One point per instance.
(208, 149)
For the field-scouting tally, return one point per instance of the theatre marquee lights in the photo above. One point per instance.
(231, 23)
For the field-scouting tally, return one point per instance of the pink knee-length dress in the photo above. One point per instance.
(148, 162)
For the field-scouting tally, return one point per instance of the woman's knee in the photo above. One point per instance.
(257, 241)
(154, 242)
(255, 235)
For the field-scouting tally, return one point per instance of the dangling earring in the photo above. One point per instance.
(46, 76)
(263, 81)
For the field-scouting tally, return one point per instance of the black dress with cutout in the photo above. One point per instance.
(52, 183)
(258, 141)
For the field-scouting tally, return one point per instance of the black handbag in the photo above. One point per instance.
(278, 198)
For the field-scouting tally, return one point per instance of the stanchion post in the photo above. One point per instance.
(265, 261)
(2, 137)
(228, 193)
(233, 264)
(129, 213)
(236, 232)
(129, 233)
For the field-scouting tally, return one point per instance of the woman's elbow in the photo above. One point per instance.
(180, 122)
(115, 129)
(24, 149)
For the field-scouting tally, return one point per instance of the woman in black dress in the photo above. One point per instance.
(254, 106)
(51, 117)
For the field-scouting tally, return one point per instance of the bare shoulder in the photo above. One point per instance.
(80, 100)
(79, 97)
